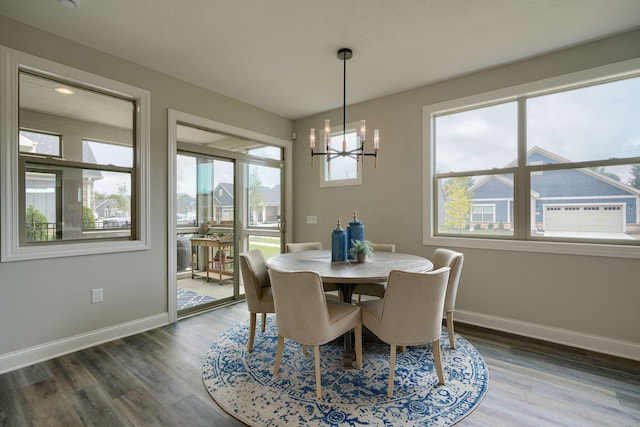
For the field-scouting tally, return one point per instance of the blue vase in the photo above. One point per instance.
(338, 244)
(355, 231)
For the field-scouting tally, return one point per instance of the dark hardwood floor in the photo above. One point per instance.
(155, 379)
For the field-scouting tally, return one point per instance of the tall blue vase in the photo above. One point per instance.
(355, 231)
(338, 244)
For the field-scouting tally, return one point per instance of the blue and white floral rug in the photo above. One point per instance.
(243, 385)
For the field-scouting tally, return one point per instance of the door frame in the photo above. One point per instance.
(175, 118)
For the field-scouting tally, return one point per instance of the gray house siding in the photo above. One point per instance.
(561, 187)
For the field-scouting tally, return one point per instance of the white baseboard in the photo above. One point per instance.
(620, 348)
(50, 350)
(39, 353)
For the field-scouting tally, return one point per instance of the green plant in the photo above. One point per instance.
(36, 225)
(490, 226)
(88, 220)
(360, 247)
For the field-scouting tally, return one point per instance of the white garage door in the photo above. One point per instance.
(593, 218)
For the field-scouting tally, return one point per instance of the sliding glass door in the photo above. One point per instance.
(228, 199)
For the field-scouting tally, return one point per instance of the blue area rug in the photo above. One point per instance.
(187, 298)
(243, 385)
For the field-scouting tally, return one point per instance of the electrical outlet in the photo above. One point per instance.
(96, 295)
(312, 219)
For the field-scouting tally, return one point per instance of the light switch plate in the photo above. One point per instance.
(96, 295)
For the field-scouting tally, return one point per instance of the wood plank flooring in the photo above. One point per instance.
(155, 379)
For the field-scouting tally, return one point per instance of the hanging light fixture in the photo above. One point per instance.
(357, 153)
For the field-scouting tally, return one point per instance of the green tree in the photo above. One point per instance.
(458, 202)
(256, 200)
(36, 225)
(123, 201)
(634, 181)
(88, 221)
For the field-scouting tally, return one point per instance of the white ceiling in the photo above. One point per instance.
(280, 55)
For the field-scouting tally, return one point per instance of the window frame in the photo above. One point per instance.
(338, 131)
(521, 240)
(11, 63)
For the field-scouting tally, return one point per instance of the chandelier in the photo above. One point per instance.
(357, 153)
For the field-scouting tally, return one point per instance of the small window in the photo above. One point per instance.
(342, 170)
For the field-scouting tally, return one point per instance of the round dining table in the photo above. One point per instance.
(346, 274)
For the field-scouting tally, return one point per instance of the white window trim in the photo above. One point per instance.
(337, 130)
(175, 117)
(619, 69)
(484, 205)
(11, 61)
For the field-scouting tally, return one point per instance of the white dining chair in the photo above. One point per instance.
(374, 289)
(257, 289)
(454, 260)
(305, 315)
(409, 314)
(305, 246)
(311, 246)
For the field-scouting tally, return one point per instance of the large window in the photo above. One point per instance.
(75, 156)
(553, 164)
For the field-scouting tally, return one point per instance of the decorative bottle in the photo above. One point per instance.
(355, 231)
(338, 244)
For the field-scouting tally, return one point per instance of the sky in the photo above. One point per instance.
(186, 174)
(591, 123)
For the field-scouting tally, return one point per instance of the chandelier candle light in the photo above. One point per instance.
(358, 153)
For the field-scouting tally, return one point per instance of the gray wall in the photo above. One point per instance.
(583, 294)
(49, 300)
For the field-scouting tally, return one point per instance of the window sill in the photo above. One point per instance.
(588, 249)
(72, 249)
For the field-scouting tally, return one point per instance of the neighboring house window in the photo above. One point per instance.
(483, 213)
(538, 165)
(342, 170)
(77, 146)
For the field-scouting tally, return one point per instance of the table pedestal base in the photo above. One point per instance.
(348, 358)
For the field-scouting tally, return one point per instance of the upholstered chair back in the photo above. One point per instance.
(411, 311)
(454, 260)
(299, 247)
(256, 278)
(301, 307)
(383, 247)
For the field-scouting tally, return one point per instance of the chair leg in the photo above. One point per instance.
(403, 349)
(392, 369)
(358, 332)
(452, 341)
(252, 331)
(316, 352)
(437, 357)
(304, 349)
(276, 366)
(264, 321)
